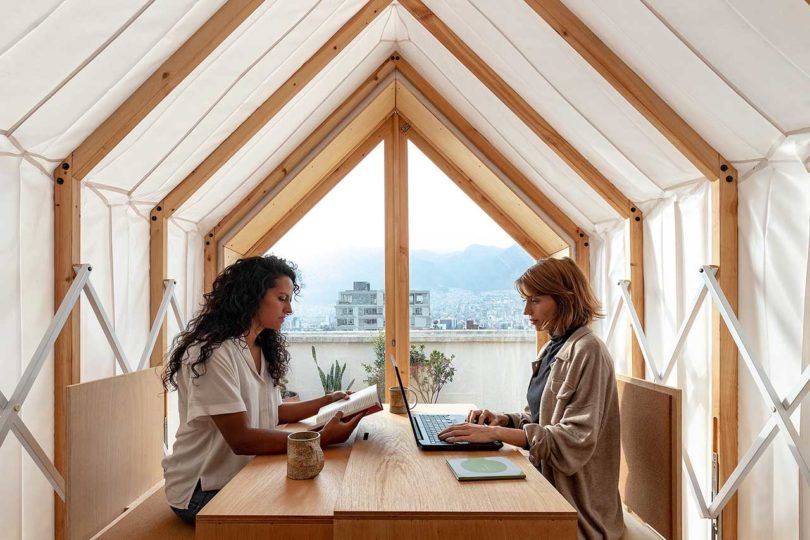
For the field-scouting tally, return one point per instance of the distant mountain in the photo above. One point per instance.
(477, 268)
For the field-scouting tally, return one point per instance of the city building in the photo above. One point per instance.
(363, 308)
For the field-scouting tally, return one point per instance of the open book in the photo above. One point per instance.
(365, 400)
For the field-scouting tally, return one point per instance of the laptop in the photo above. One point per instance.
(426, 427)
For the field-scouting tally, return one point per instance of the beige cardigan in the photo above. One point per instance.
(578, 438)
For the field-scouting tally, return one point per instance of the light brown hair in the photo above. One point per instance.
(566, 284)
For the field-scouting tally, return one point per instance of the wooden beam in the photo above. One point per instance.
(294, 215)
(468, 186)
(519, 106)
(267, 110)
(527, 188)
(167, 77)
(724, 351)
(489, 183)
(158, 271)
(397, 259)
(272, 180)
(327, 160)
(633, 88)
(66, 350)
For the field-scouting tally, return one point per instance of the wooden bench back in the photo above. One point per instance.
(114, 447)
(650, 470)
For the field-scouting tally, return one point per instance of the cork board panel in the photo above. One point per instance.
(650, 469)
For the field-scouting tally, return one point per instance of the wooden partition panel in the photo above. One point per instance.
(114, 447)
(650, 469)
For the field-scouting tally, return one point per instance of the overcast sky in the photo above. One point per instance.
(442, 217)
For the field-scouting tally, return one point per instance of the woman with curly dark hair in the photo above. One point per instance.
(226, 367)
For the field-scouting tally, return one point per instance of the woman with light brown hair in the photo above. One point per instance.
(571, 423)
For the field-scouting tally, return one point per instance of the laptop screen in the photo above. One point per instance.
(405, 398)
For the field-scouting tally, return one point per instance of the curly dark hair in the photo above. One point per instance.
(228, 312)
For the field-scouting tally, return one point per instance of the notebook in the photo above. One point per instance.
(485, 468)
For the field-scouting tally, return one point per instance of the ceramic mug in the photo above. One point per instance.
(304, 455)
(395, 402)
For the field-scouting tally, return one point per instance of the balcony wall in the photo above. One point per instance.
(492, 367)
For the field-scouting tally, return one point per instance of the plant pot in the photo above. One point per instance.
(290, 397)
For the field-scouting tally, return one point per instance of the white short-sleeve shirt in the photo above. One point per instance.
(230, 384)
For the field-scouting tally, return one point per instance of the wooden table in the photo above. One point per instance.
(384, 487)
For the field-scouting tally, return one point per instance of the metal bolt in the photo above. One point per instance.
(158, 208)
(724, 167)
(638, 218)
(773, 408)
(586, 244)
(60, 181)
(17, 407)
(729, 178)
(632, 208)
(154, 218)
(65, 166)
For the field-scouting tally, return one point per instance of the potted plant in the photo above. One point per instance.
(429, 374)
(332, 381)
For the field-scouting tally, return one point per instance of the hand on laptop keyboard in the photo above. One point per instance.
(467, 432)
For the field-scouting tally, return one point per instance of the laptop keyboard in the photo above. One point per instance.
(434, 424)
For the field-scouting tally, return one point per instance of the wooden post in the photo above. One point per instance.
(724, 350)
(66, 351)
(158, 271)
(635, 273)
(397, 292)
(210, 263)
(583, 253)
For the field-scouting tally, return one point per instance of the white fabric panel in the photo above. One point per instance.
(512, 138)
(677, 233)
(774, 221)
(83, 100)
(196, 118)
(262, 153)
(743, 39)
(696, 93)
(50, 54)
(115, 241)
(11, 334)
(26, 292)
(22, 18)
(608, 266)
(475, 27)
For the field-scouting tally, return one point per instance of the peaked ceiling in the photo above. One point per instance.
(737, 71)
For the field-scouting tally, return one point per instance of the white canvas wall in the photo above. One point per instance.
(774, 309)
(26, 294)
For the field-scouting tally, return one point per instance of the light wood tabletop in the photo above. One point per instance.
(383, 486)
